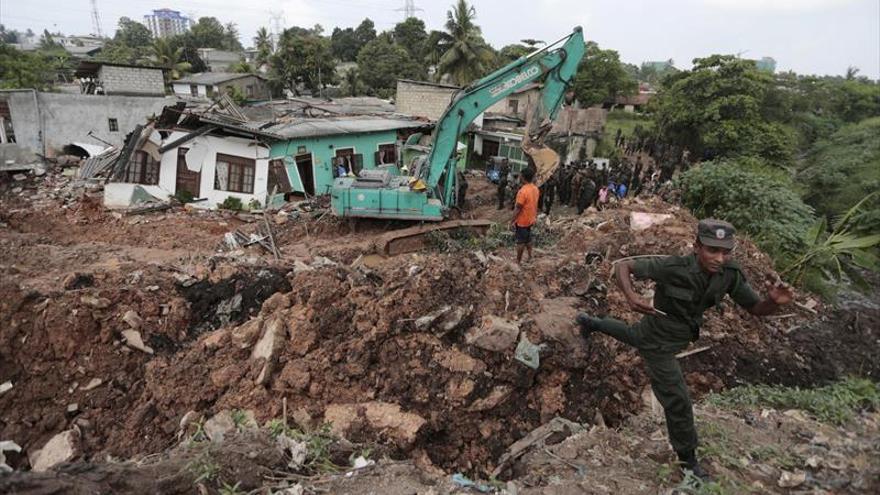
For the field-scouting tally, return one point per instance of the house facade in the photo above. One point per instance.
(111, 79)
(211, 85)
(313, 151)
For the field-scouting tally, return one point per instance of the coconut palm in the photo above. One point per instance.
(467, 55)
(263, 44)
(168, 57)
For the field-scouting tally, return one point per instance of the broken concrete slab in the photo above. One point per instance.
(494, 334)
(536, 438)
(59, 449)
(95, 302)
(133, 339)
(5, 387)
(133, 319)
(93, 384)
(640, 220)
(268, 343)
(219, 426)
(7, 446)
(399, 425)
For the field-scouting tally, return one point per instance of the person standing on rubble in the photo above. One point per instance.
(686, 287)
(503, 173)
(525, 213)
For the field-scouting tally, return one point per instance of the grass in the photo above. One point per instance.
(317, 442)
(203, 468)
(835, 403)
(626, 122)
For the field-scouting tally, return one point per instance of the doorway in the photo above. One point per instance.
(306, 172)
(187, 180)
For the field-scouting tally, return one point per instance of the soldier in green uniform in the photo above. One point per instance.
(686, 286)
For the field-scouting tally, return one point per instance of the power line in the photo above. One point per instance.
(409, 9)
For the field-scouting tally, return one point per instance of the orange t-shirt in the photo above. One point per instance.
(527, 198)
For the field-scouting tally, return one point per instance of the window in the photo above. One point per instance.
(278, 181)
(194, 89)
(113, 124)
(142, 169)
(235, 174)
(210, 91)
(249, 90)
(513, 105)
(387, 154)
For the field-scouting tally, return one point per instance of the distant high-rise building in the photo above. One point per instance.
(164, 23)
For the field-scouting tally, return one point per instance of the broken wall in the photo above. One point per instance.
(45, 122)
(210, 146)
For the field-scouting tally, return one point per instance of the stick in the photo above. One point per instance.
(804, 306)
(284, 409)
(637, 256)
(693, 351)
(273, 249)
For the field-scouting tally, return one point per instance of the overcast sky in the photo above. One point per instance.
(807, 36)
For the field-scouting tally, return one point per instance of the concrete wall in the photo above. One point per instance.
(422, 100)
(525, 102)
(260, 88)
(211, 146)
(60, 119)
(132, 81)
(323, 149)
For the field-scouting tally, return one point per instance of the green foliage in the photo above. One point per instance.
(263, 43)
(25, 69)
(833, 403)
(842, 252)
(351, 84)
(381, 63)
(466, 56)
(365, 32)
(231, 203)
(344, 44)
(167, 56)
(241, 67)
(715, 110)
(411, 35)
(227, 489)
(510, 53)
(317, 442)
(748, 194)
(183, 196)
(8, 36)
(254, 204)
(842, 169)
(601, 77)
(303, 59)
(203, 468)
(132, 34)
(208, 32)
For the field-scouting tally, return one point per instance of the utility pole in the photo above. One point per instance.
(96, 20)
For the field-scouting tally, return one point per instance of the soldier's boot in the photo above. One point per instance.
(586, 323)
(689, 463)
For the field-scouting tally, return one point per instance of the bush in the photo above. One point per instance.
(751, 195)
(231, 203)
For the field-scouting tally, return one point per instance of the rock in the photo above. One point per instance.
(387, 418)
(187, 418)
(39, 171)
(494, 334)
(245, 335)
(217, 427)
(791, 480)
(95, 302)
(640, 221)
(215, 339)
(59, 449)
(481, 257)
(7, 446)
(495, 397)
(281, 218)
(459, 362)
(5, 387)
(19, 177)
(133, 339)
(72, 408)
(299, 267)
(78, 281)
(133, 319)
(17, 190)
(297, 450)
(443, 320)
(268, 343)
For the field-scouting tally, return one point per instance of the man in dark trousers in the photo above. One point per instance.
(503, 172)
(686, 287)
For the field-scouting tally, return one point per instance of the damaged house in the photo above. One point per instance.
(211, 156)
(206, 158)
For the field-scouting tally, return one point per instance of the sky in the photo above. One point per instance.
(806, 36)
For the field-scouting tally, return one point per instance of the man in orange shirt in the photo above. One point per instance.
(525, 213)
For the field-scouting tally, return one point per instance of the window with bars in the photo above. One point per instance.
(113, 125)
(234, 174)
(278, 181)
(142, 169)
(387, 154)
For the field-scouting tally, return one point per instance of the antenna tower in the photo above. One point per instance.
(96, 20)
(409, 9)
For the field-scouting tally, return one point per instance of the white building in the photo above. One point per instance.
(164, 23)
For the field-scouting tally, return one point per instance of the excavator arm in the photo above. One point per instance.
(555, 65)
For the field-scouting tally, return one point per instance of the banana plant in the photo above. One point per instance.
(840, 252)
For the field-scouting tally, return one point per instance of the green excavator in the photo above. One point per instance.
(429, 192)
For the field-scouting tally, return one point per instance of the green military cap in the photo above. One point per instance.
(716, 233)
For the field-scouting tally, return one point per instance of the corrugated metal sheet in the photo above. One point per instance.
(330, 127)
(213, 78)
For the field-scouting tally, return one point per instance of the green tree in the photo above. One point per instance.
(230, 38)
(208, 32)
(263, 43)
(365, 32)
(119, 53)
(20, 69)
(344, 44)
(303, 59)
(241, 67)
(351, 84)
(132, 34)
(466, 56)
(532, 43)
(168, 57)
(601, 78)
(381, 63)
(509, 53)
(715, 110)
(411, 35)
(8, 36)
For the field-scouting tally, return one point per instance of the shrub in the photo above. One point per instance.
(231, 203)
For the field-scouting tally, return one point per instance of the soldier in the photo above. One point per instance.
(576, 180)
(548, 190)
(565, 185)
(503, 173)
(686, 287)
(587, 193)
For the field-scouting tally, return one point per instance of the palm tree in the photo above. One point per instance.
(467, 56)
(263, 43)
(167, 57)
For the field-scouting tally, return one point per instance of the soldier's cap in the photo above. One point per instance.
(716, 233)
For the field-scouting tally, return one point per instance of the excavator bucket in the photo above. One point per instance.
(415, 238)
(545, 158)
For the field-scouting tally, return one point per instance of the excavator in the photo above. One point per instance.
(429, 191)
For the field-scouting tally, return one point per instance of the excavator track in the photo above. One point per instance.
(415, 238)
